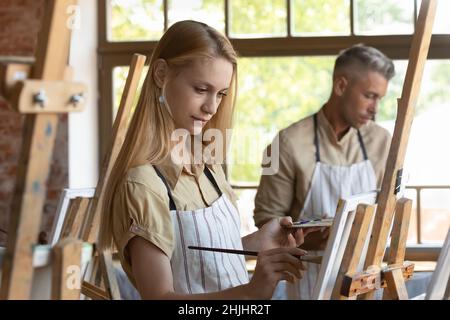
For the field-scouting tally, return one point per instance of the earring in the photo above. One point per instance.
(161, 99)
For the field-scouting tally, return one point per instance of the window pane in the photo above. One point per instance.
(211, 12)
(387, 109)
(136, 20)
(258, 18)
(426, 161)
(334, 17)
(383, 17)
(435, 215)
(119, 78)
(442, 22)
(273, 93)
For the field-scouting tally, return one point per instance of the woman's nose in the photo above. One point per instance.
(211, 104)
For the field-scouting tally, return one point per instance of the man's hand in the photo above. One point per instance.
(318, 240)
(276, 233)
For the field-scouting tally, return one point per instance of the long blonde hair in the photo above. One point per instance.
(148, 139)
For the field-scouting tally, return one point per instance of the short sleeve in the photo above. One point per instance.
(140, 211)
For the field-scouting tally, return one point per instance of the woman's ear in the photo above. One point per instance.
(160, 69)
(339, 85)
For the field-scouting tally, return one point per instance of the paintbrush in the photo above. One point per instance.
(305, 258)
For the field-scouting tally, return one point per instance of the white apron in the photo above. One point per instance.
(217, 226)
(328, 184)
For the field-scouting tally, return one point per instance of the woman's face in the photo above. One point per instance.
(194, 93)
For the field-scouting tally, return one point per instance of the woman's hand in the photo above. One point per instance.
(271, 267)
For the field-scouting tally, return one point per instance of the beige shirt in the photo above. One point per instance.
(284, 193)
(141, 203)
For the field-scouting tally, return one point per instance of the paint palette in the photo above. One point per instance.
(312, 223)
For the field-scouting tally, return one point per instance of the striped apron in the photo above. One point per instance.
(330, 183)
(217, 226)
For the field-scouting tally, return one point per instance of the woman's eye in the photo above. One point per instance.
(222, 94)
(200, 90)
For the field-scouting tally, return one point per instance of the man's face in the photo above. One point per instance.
(360, 96)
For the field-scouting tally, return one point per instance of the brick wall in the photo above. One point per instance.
(20, 22)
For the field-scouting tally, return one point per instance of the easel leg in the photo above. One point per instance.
(109, 275)
(398, 241)
(66, 270)
(447, 291)
(354, 248)
(396, 285)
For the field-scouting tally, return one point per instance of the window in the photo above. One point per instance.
(135, 20)
(269, 19)
(307, 13)
(285, 64)
(392, 17)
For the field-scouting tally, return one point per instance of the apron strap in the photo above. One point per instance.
(316, 141)
(363, 147)
(209, 175)
(316, 138)
(172, 205)
(169, 193)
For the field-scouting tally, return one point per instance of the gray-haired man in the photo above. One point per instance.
(336, 152)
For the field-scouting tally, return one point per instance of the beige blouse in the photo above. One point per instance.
(141, 203)
(284, 193)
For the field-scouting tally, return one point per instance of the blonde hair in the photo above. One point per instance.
(151, 125)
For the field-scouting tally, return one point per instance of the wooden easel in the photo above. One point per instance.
(49, 93)
(350, 282)
(83, 218)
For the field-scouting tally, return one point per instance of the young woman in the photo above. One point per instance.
(159, 203)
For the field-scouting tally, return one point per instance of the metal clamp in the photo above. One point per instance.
(398, 181)
(40, 98)
(76, 98)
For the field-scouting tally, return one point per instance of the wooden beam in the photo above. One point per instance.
(395, 284)
(66, 262)
(399, 235)
(355, 245)
(92, 223)
(93, 292)
(36, 96)
(405, 115)
(109, 275)
(371, 280)
(400, 231)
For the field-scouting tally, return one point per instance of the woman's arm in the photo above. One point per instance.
(153, 274)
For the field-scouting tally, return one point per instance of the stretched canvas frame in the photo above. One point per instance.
(66, 196)
(337, 241)
(438, 289)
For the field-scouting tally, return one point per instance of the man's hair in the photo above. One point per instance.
(360, 57)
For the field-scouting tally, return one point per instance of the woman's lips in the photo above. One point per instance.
(203, 121)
